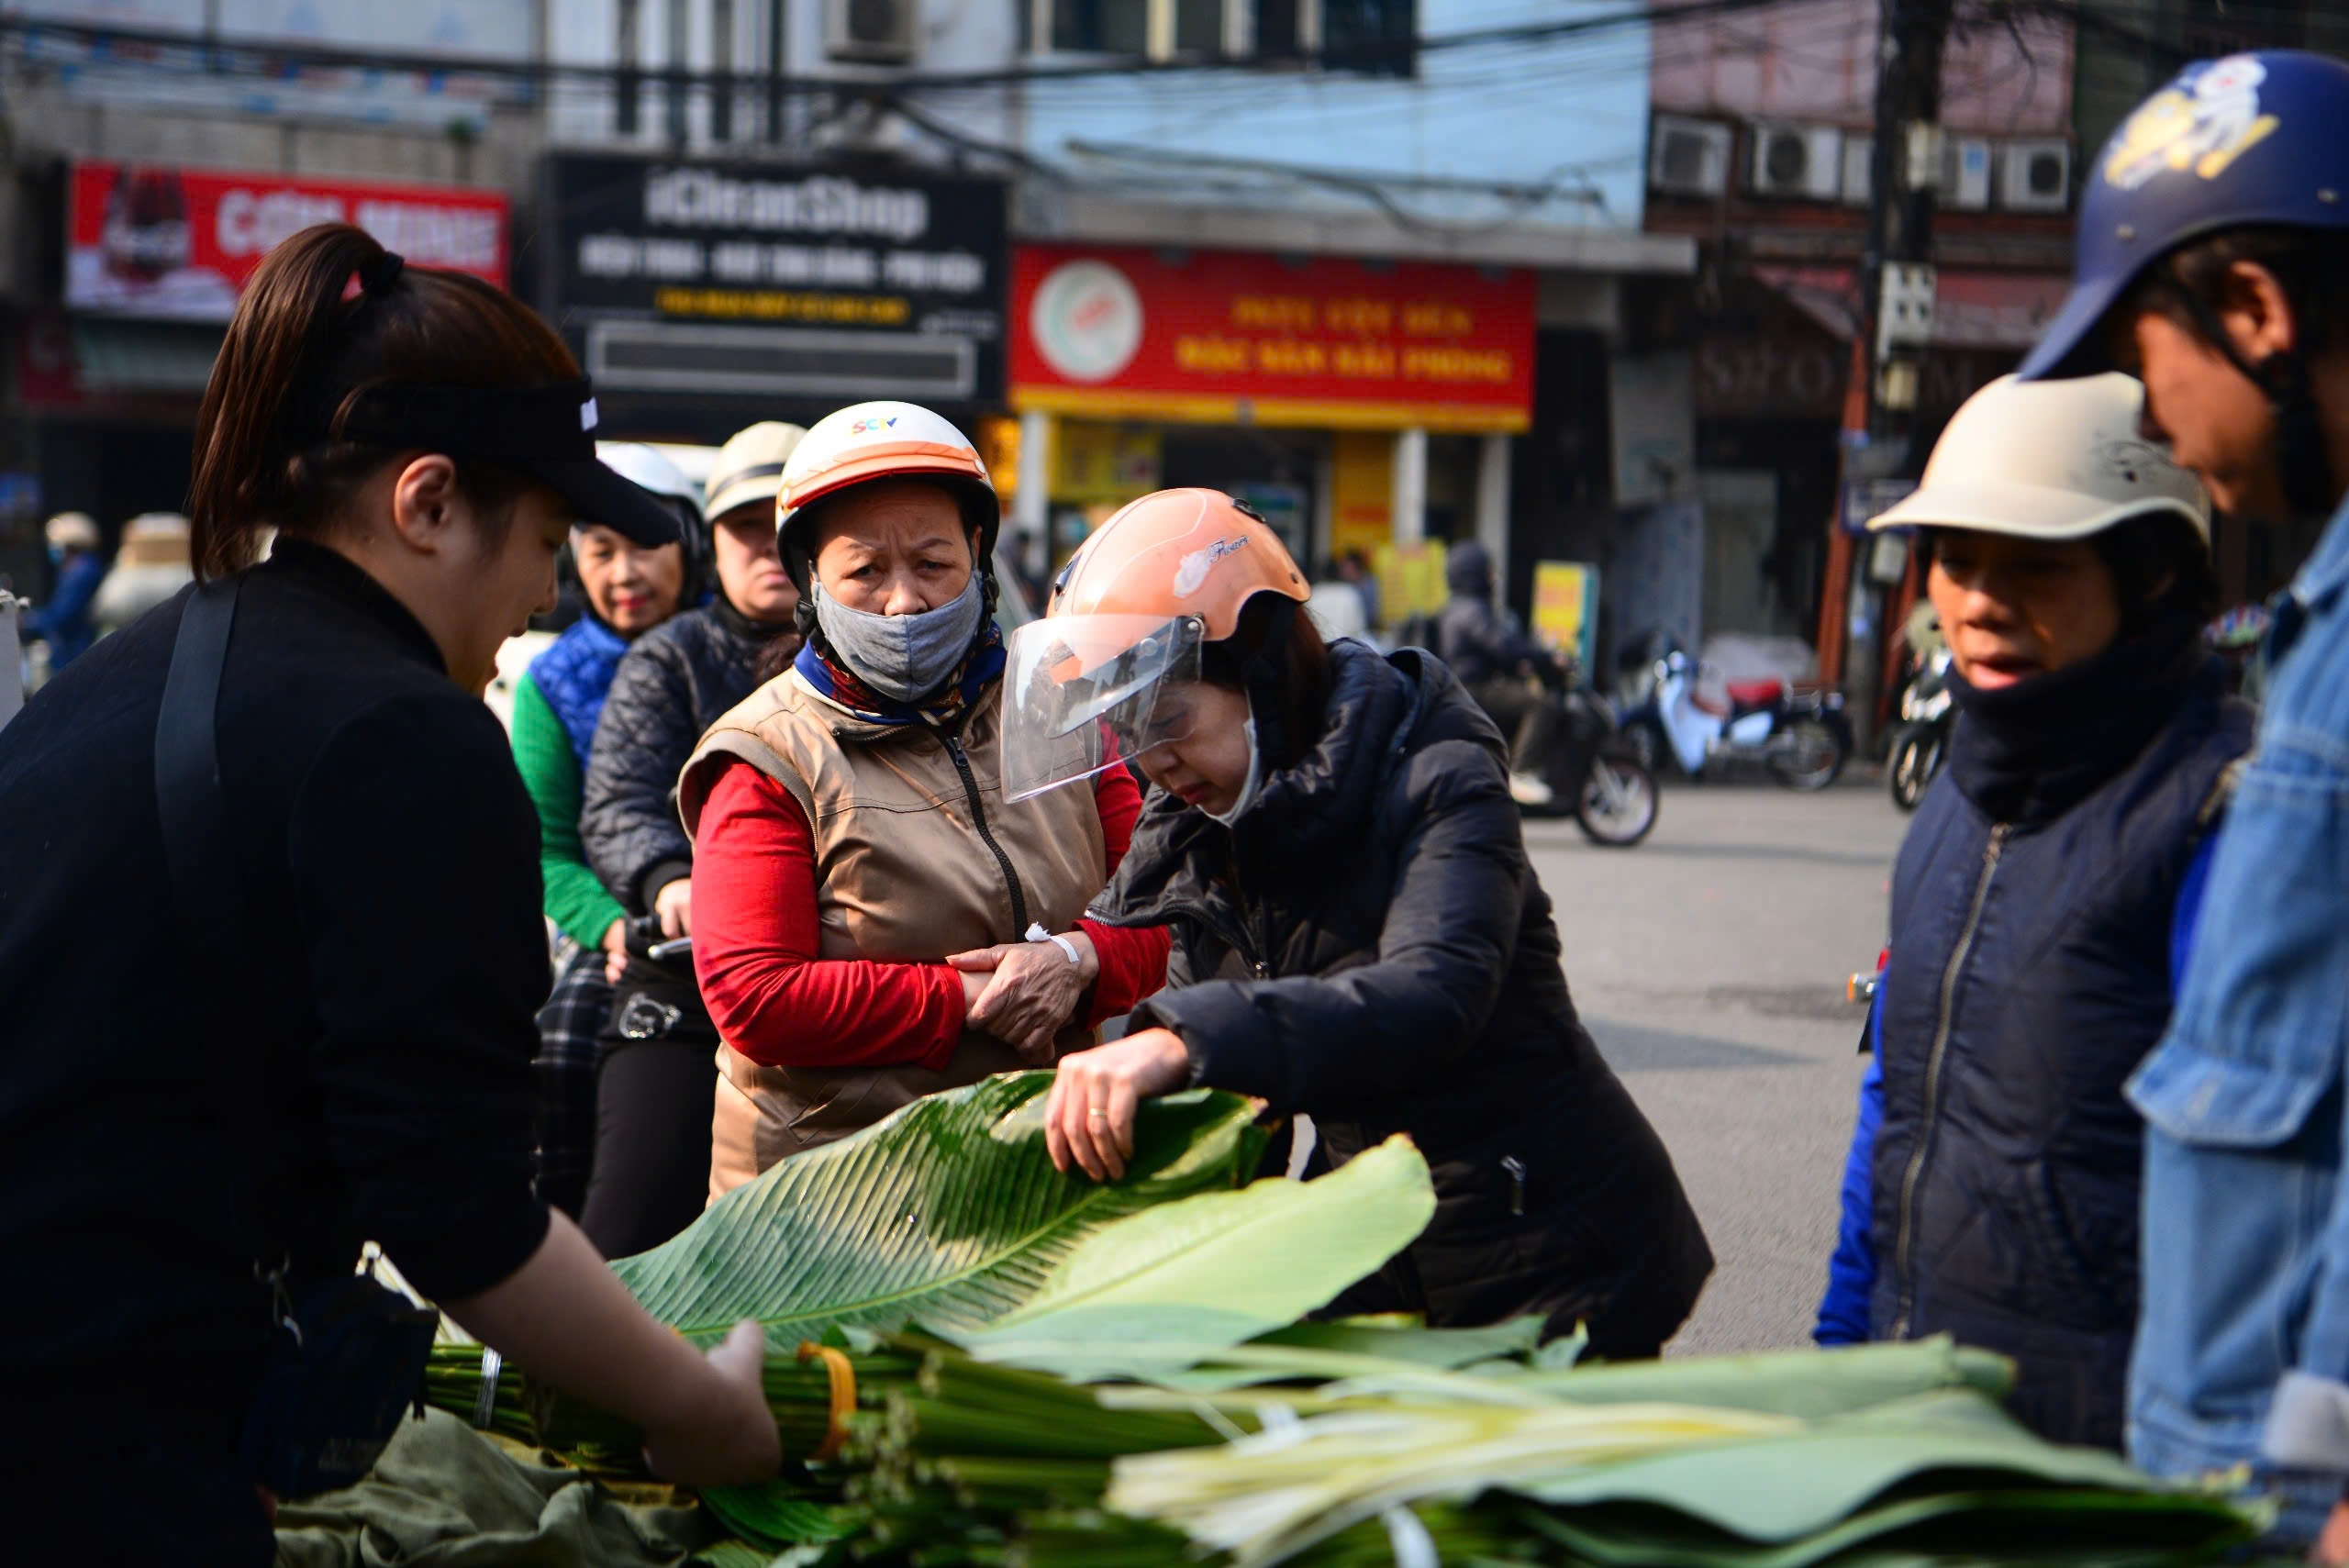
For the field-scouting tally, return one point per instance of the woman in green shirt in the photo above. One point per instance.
(630, 591)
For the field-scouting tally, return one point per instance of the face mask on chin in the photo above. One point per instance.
(905, 658)
(1254, 782)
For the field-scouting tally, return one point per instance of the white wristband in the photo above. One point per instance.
(1036, 933)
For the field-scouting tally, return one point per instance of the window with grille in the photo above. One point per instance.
(1373, 37)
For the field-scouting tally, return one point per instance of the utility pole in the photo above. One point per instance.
(1896, 296)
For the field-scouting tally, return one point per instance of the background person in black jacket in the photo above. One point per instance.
(1491, 655)
(655, 1080)
(186, 1103)
(1358, 935)
(1992, 1190)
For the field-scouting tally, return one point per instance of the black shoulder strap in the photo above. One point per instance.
(187, 771)
(213, 910)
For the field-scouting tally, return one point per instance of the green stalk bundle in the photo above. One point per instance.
(1117, 1376)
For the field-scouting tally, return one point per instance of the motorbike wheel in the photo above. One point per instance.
(1617, 805)
(1814, 758)
(1916, 758)
(1644, 744)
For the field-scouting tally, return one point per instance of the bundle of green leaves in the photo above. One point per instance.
(1058, 1374)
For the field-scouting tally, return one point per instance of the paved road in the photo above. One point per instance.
(1709, 962)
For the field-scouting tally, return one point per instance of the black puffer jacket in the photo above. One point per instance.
(2031, 919)
(1369, 946)
(675, 681)
(1479, 638)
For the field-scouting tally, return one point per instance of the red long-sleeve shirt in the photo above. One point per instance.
(755, 942)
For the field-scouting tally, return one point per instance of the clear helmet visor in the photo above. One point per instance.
(1082, 694)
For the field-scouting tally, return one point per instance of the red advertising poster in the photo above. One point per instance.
(1236, 338)
(155, 241)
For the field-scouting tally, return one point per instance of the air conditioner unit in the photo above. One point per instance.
(1803, 162)
(1965, 174)
(1689, 158)
(2035, 175)
(884, 30)
(1859, 170)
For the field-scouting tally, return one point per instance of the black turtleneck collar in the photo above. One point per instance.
(741, 625)
(2029, 752)
(339, 577)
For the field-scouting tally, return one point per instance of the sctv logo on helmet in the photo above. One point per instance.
(872, 426)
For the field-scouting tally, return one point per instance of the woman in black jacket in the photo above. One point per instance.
(1358, 935)
(655, 1078)
(284, 1004)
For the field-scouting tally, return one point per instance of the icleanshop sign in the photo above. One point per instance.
(163, 242)
(685, 275)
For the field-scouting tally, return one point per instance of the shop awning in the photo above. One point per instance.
(144, 358)
(2005, 311)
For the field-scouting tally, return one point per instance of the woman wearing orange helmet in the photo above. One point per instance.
(872, 919)
(1357, 933)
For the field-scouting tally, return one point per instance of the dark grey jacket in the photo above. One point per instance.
(675, 681)
(1369, 946)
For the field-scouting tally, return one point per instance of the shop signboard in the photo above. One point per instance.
(724, 277)
(1411, 579)
(1221, 336)
(165, 243)
(1565, 609)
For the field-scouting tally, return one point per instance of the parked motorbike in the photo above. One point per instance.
(1920, 742)
(1801, 737)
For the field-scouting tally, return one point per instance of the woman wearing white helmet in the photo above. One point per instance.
(1992, 1188)
(629, 589)
(865, 895)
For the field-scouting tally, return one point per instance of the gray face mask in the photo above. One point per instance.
(903, 657)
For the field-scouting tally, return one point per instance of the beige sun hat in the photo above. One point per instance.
(749, 467)
(2052, 460)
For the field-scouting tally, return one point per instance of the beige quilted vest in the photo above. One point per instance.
(902, 875)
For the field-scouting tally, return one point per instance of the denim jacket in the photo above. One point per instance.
(2242, 1344)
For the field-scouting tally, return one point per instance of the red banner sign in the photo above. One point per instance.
(1216, 336)
(179, 243)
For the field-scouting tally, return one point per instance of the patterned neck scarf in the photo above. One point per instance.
(837, 683)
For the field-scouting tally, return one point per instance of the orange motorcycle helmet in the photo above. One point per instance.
(1129, 617)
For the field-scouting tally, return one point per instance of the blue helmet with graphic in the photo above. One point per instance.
(2249, 140)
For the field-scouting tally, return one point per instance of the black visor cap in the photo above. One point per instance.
(548, 432)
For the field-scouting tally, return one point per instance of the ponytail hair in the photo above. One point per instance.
(328, 314)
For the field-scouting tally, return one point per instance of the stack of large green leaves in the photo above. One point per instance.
(1056, 1374)
(949, 1213)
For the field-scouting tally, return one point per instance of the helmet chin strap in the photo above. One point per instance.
(2304, 470)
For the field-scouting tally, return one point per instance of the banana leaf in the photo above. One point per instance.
(1809, 1383)
(1320, 1351)
(1168, 1289)
(1406, 1339)
(2060, 1525)
(949, 1211)
(1796, 1484)
(776, 1514)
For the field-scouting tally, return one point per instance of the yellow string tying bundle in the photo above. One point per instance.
(842, 1376)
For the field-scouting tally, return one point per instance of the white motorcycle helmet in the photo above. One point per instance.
(649, 469)
(2049, 460)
